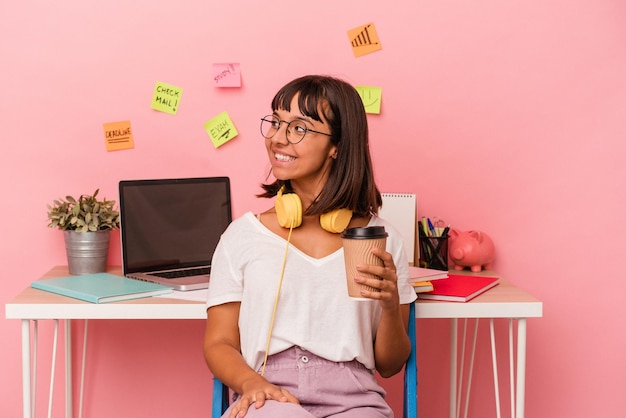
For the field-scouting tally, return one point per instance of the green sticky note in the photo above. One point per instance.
(371, 97)
(166, 98)
(220, 129)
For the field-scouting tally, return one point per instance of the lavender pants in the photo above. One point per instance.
(324, 388)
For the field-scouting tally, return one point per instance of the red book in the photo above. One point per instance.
(459, 288)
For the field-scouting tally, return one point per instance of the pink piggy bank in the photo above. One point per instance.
(471, 249)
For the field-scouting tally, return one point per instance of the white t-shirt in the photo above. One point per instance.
(314, 311)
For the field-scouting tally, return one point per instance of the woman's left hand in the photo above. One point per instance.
(387, 280)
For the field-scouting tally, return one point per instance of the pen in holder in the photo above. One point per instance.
(433, 251)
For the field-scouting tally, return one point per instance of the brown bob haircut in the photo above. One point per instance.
(350, 182)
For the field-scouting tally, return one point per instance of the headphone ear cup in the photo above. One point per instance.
(336, 221)
(288, 210)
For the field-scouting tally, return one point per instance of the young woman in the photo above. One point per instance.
(308, 350)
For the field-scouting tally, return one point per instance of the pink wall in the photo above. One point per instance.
(508, 117)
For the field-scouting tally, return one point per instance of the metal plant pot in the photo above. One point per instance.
(87, 251)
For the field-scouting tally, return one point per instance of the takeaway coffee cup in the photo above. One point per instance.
(357, 249)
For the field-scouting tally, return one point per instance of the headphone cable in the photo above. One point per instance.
(280, 282)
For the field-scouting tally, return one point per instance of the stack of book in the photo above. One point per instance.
(434, 284)
(422, 278)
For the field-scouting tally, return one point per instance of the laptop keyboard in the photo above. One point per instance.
(183, 273)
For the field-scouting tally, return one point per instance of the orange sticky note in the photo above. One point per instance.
(118, 135)
(364, 40)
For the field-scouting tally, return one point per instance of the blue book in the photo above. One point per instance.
(101, 287)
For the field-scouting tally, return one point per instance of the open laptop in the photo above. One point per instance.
(170, 228)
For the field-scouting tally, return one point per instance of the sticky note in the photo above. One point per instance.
(118, 136)
(220, 129)
(166, 98)
(364, 40)
(371, 97)
(227, 75)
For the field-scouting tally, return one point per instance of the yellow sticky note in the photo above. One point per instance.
(220, 129)
(118, 135)
(166, 98)
(364, 40)
(371, 97)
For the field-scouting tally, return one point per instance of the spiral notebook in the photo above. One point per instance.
(400, 209)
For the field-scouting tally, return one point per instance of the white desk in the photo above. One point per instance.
(503, 301)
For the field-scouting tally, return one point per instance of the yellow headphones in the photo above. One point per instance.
(289, 213)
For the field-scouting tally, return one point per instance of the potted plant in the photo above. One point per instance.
(86, 223)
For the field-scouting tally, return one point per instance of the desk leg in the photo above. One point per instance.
(453, 366)
(521, 367)
(494, 362)
(26, 394)
(68, 368)
(512, 396)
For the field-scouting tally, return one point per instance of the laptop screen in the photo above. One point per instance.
(172, 223)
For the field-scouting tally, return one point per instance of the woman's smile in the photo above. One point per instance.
(283, 157)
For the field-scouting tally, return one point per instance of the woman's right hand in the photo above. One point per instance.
(256, 393)
(223, 356)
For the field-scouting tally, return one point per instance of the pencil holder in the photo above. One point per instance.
(433, 251)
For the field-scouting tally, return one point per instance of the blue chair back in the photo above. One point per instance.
(221, 399)
(410, 371)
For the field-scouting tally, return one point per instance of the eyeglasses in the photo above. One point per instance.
(296, 129)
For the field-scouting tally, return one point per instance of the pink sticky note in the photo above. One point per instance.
(227, 75)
